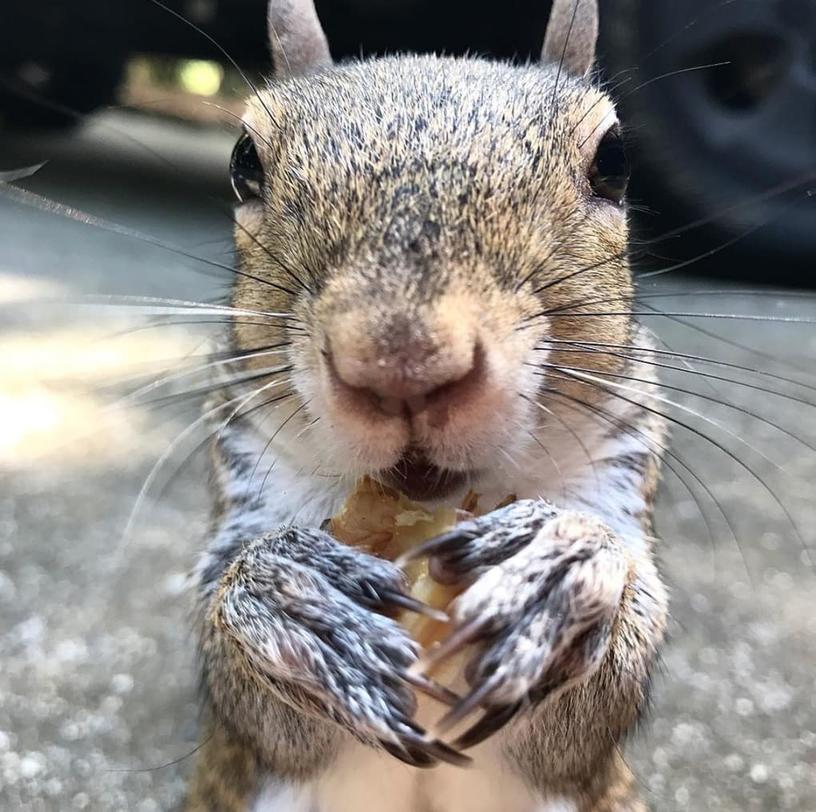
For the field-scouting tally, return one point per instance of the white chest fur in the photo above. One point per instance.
(365, 781)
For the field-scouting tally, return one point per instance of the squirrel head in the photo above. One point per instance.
(430, 226)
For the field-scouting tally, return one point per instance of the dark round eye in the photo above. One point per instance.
(246, 172)
(609, 173)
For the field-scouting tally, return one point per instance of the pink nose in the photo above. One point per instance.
(413, 375)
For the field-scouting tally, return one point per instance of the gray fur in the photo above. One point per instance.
(296, 39)
(571, 35)
(437, 193)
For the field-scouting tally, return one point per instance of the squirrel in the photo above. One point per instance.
(420, 240)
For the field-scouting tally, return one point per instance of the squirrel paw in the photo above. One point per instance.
(541, 615)
(303, 613)
(474, 546)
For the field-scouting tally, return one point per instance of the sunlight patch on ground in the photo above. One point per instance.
(19, 289)
(62, 390)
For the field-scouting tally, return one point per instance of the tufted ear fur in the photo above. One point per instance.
(572, 34)
(296, 38)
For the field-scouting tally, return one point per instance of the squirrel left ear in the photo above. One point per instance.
(572, 34)
(296, 38)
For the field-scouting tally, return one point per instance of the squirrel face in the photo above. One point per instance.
(428, 223)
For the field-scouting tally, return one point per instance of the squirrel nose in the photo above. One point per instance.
(412, 374)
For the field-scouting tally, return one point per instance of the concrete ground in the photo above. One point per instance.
(97, 688)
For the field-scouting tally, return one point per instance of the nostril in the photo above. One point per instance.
(458, 388)
(412, 382)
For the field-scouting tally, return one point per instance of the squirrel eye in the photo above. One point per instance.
(609, 173)
(246, 172)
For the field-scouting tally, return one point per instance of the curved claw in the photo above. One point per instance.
(431, 687)
(391, 596)
(435, 546)
(415, 738)
(450, 755)
(465, 705)
(413, 756)
(454, 642)
(490, 722)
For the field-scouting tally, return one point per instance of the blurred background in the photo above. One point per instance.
(737, 120)
(134, 112)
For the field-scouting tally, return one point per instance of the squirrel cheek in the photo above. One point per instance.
(248, 222)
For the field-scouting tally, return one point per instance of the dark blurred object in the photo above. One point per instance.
(709, 142)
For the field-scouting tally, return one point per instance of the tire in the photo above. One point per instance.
(721, 140)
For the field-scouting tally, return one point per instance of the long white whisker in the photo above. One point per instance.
(668, 401)
(250, 397)
(157, 466)
(176, 376)
(164, 306)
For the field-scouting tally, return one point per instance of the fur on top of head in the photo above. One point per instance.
(429, 223)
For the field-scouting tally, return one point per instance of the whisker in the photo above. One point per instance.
(26, 198)
(248, 399)
(697, 328)
(219, 385)
(591, 375)
(649, 444)
(712, 399)
(581, 444)
(691, 357)
(28, 171)
(651, 81)
(157, 305)
(723, 449)
(514, 463)
(176, 376)
(290, 328)
(158, 465)
(275, 433)
(549, 456)
(651, 53)
(690, 370)
(774, 191)
(671, 294)
(690, 314)
(223, 51)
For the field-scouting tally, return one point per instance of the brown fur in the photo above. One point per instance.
(451, 192)
(486, 189)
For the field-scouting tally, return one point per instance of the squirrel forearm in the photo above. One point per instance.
(299, 653)
(244, 702)
(590, 767)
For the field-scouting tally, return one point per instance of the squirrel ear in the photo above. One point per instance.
(296, 39)
(572, 34)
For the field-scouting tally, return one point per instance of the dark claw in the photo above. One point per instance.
(413, 756)
(394, 598)
(491, 721)
(464, 706)
(458, 638)
(416, 737)
(444, 752)
(464, 532)
(431, 687)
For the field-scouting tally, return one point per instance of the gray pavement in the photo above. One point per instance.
(97, 687)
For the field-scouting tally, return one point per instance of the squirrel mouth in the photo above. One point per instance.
(419, 479)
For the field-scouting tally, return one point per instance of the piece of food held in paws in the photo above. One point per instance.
(384, 522)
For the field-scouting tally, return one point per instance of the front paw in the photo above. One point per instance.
(301, 613)
(542, 618)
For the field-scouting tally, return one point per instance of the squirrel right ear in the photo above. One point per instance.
(296, 39)
(572, 34)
